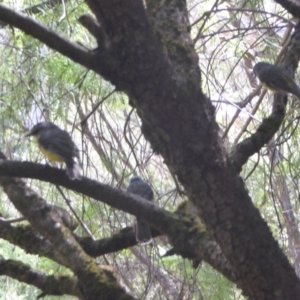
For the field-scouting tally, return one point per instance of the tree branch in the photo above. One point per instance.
(74, 51)
(50, 285)
(27, 239)
(91, 279)
(242, 151)
(95, 29)
(36, 9)
(178, 120)
(184, 230)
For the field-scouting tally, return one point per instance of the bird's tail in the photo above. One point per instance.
(142, 232)
(73, 171)
(76, 152)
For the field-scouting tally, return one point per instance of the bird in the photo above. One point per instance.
(57, 146)
(275, 79)
(139, 187)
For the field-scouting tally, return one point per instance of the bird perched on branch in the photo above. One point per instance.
(57, 146)
(139, 187)
(275, 79)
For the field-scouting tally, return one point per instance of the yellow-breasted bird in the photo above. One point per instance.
(57, 145)
(275, 79)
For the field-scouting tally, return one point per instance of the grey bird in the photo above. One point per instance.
(275, 79)
(139, 187)
(57, 145)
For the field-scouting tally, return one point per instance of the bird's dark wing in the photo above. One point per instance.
(276, 80)
(58, 142)
(141, 188)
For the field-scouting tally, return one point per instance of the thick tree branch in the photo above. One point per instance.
(27, 239)
(207, 250)
(50, 285)
(183, 228)
(93, 281)
(39, 8)
(124, 239)
(74, 51)
(117, 198)
(178, 120)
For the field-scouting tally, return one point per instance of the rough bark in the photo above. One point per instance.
(150, 56)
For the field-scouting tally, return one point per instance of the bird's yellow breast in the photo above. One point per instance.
(50, 155)
(268, 87)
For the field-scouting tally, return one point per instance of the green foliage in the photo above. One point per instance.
(39, 84)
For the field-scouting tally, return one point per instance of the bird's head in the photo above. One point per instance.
(39, 128)
(259, 67)
(135, 179)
